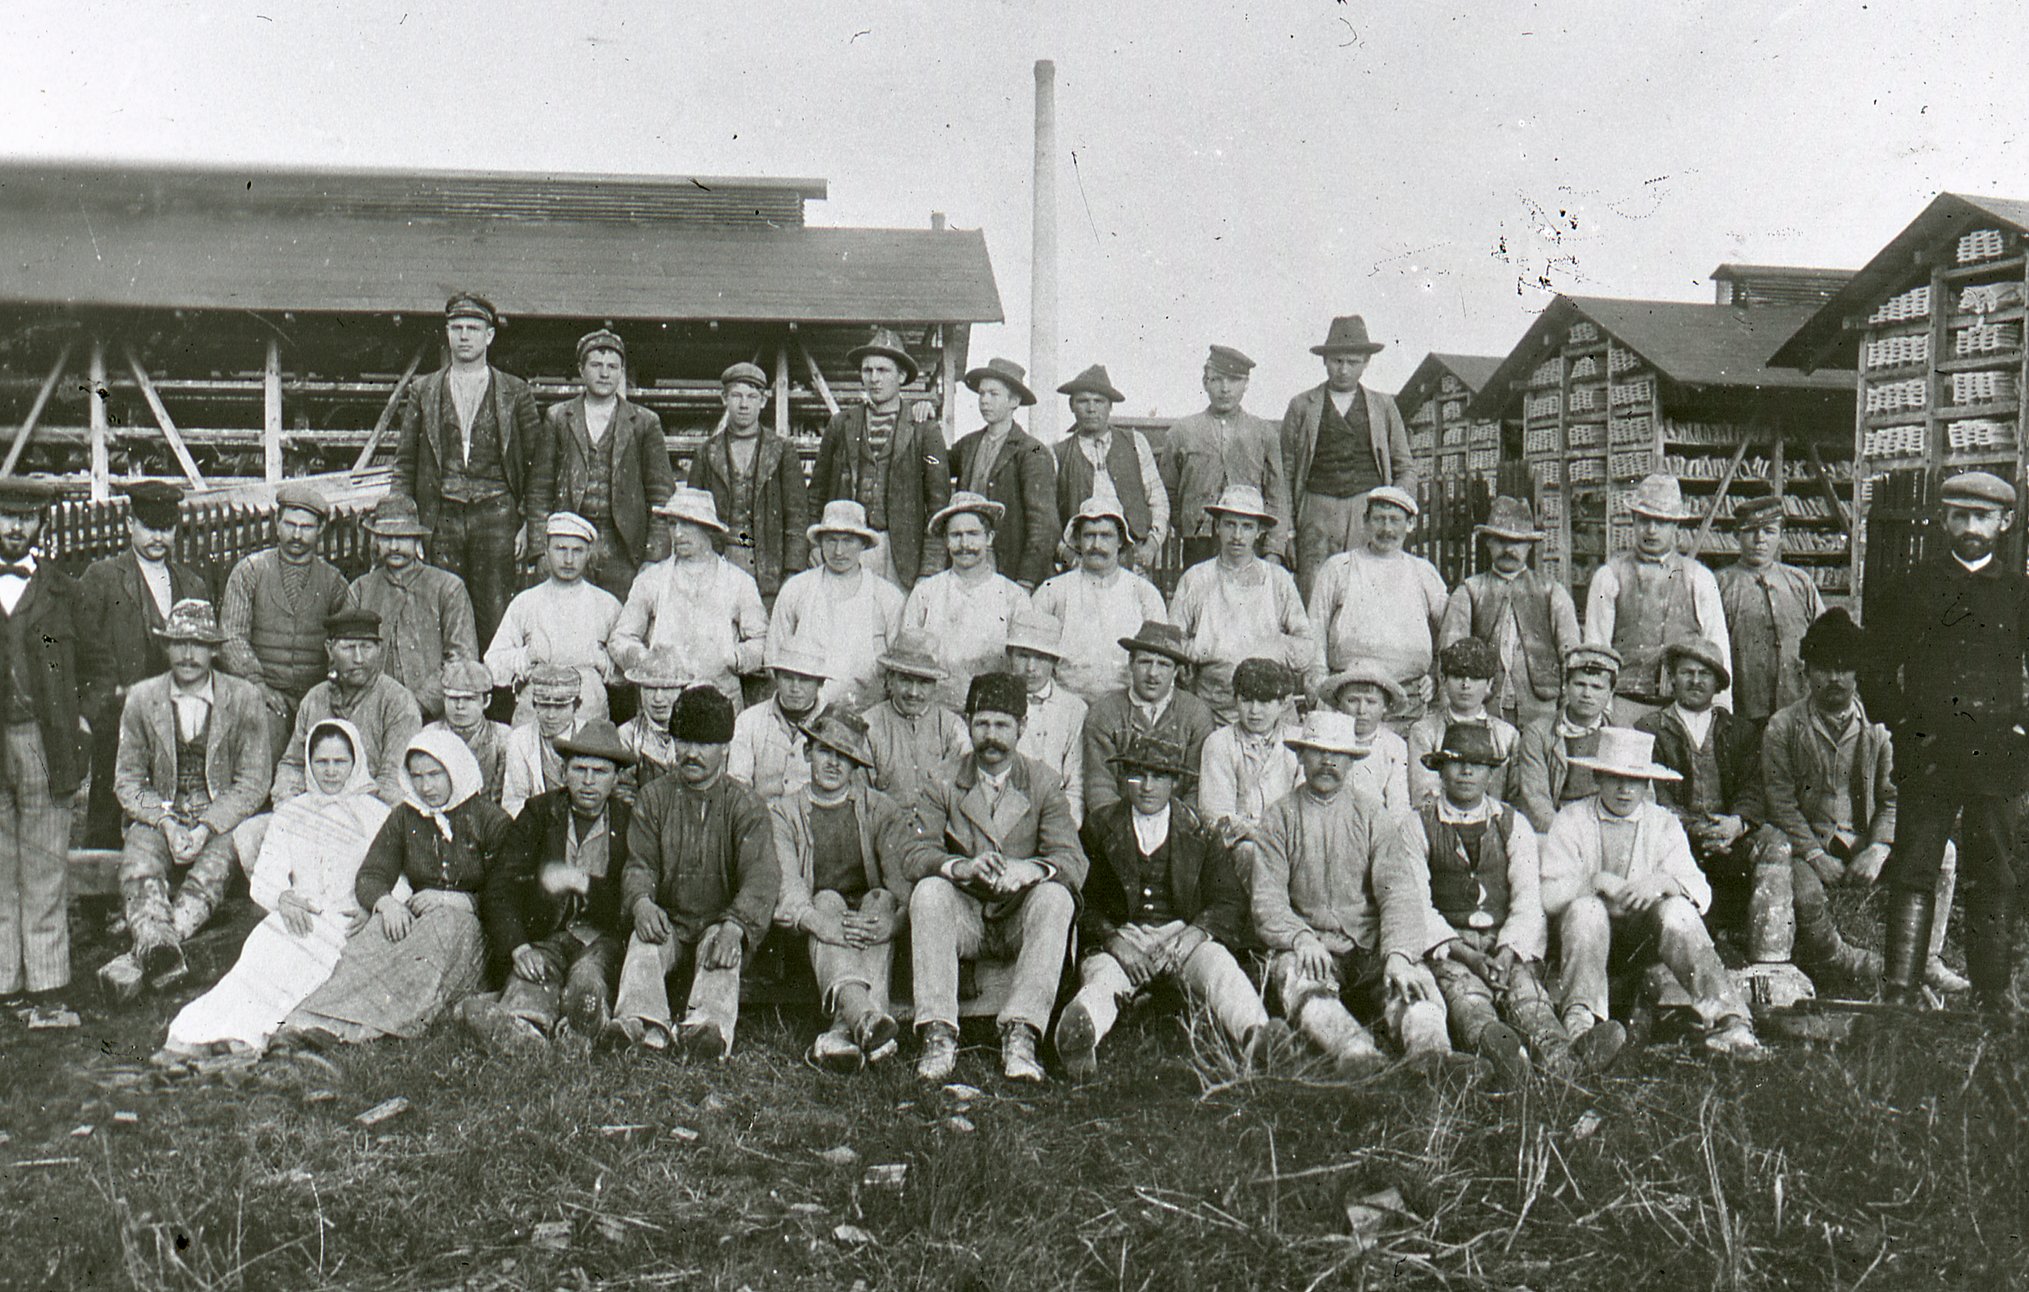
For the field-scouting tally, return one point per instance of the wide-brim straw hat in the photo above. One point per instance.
(912, 655)
(1154, 753)
(596, 739)
(1512, 519)
(1332, 732)
(191, 620)
(1624, 751)
(1030, 629)
(1328, 690)
(1100, 508)
(966, 501)
(1241, 500)
(695, 506)
(1008, 373)
(843, 732)
(843, 516)
(395, 516)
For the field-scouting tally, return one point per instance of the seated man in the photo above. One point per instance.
(699, 899)
(1004, 881)
(532, 764)
(359, 691)
(1245, 766)
(1477, 870)
(1828, 776)
(1719, 798)
(1365, 694)
(911, 735)
(560, 911)
(467, 686)
(659, 676)
(1151, 704)
(1054, 734)
(565, 621)
(767, 749)
(193, 763)
(1542, 777)
(1324, 905)
(1620, 886)
(1466, 670)
(1161, 903)
(846, 851)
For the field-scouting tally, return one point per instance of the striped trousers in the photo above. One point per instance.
(34, 868)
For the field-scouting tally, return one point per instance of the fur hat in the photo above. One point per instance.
(703, 716)
(1833, 641)
(999, 693)
(1470, 657)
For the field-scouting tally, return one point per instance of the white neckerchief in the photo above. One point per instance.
(191, 706)
(1150, 832)
(1481, 811)
(13, 586)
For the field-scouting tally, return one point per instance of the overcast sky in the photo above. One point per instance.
(1227, 174)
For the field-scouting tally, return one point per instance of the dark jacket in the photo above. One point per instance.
(919, 483)
(1204, 887)
(49, 622)
(1796, 776)
(703, 856)
(642, 478)
(539, 839)
(1023, 480)
(122, 648)
(1948, 671)
(1392, 456)
(474, 861)
(1113, 722)
(1031, 822)
(781, 504)
(429, 423)
(1735, 747)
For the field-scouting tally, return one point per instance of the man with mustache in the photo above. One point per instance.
(1641, 601)
(1151, 704)
(126, 599)
(1097, 601)
(1949, 657)
(963, 611)
(1528, 616)
(274, 608)
(359, 691)
(1382, 605)
(425, 612)
(1003, 882)
(1098, 457)
(912, 737)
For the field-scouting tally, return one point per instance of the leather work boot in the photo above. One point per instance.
(1018, 1061)
(939, 1058)
(1595, 1043)
(1078, 1042)
(703, 1042)
(834, 1051)
(875, 1034)
(1908, 943)
(1502, 1047)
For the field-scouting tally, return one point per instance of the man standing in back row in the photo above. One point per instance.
(1224, 447)
(1340, 440)
(878, 454)
(473, 456)
(610, 463)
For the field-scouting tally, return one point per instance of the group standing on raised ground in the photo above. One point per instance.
(930, 710)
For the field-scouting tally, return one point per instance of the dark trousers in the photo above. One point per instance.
(612, 569)
(475, 541)
(103, 817)
(1925, 814)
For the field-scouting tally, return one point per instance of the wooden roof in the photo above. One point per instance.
(1823, 340)
(1709, 347)
(1472, 371)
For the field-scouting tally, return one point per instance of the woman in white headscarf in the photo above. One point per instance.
(417, 955)
(304, 880)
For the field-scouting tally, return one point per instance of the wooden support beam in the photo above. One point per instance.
(271, 413)
(387, 412)
(27, 427)
(782, 386)
(162, 419)
(947, 380)
(1824, 476)
(102, 472)
(817, 381)
(1719, 496)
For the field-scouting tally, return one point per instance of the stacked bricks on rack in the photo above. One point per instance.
(1981, 244)
(1912, 304)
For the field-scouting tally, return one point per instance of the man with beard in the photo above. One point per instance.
(125, 599)
(755, 479)
(362, 693)
(1949, 656)
(890, 461)
(1381, 605)
(700, 898)
(697, 605)
(767, 747)
(1769, 606)
(566, 621)
(474, 456)
(847, 612)
(911, 739)
(964, 611)
(610, 462)
(1004, 463)
(1641, 601)
(1004, 881)
(1151, 704)
(1237, 606)
(274, 608)
(425, 614)
(1097, 601)
(43, 759)
(1225, 447)
(1099, 459)
(1528, 616)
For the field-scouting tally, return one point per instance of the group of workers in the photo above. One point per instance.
(929, 706)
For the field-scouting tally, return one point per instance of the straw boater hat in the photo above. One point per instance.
(660, 667)
(1154, 753)
(888, 343)
(1704, 652)
(695, 507)
(796, 657)
(1347, 336)
(191, 620)
(1008, 373)
(1512, 519)
(1031, 630)
(844, 732)
(1331, 732)
(1756, 512)
(1623, 751)
(395, 516)
(966, 501)
(911, 655)
(1093, 381)
(1241, 500)
(1660, 497)
(1099, 507)
(843, 516)
(1360, 671)
(596, 739)
(1980, 490)
(1465, 742)
(1159, 638)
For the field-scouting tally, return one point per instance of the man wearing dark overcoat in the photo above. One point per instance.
(610, 463)
(756, 480)
(473, 455)
(1948, 677)
(126, 598)
(881, 455)
(1005, 463)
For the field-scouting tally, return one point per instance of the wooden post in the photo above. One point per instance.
(27, 427)
(102, 483)
(271, 422)
(782, 387)
(950, 337)
(817, 381)
(387, 413)
(1719, 495)
(162, 419)
(1831, 490)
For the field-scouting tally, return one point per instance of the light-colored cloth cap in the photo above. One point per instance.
(569, 524)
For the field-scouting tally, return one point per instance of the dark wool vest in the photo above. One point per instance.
(1653, 609)
(1342, 465)
(1528, 593)
(485, 476)
(1155, 902)
(1122, 463)
(1469, 868)
(190, 781)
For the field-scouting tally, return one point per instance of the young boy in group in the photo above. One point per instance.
(1477, 867)
(659, 675)
(1621, 887)
(1467, 669)
(1541, 777)
(1366, 693)
(1244, 765)
(1161, 902)
(466, 688)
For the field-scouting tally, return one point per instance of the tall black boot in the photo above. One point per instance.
(1990, 952)
(1908, 944)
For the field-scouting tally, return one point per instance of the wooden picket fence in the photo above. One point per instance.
(213, 536)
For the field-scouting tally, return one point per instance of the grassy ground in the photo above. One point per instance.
(1896, 1160)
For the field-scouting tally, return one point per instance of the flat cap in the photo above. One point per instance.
(155, 503)
(1399, 497)
(601, 339)
(299, 494)
(747, 372)
(1756, 512)
(1982, 490)
(569, 524)
(467, 677)
(1605, 658)
(352, 622)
